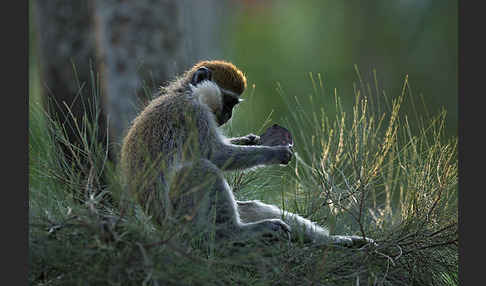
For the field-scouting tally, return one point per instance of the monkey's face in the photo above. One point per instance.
(229, 101)
(222, 106)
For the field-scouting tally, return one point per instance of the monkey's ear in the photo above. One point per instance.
(202, 73)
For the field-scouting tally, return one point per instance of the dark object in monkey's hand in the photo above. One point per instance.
(276, 135)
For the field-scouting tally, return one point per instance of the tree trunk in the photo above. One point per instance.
(65, 39)
(136, 41)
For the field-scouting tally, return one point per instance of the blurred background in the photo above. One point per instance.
(273, 42)
(285, 40)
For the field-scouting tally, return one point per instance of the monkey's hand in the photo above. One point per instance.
(248, 140)
(283, 154)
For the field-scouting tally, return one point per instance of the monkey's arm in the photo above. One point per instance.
(233, 157)
(248, 140)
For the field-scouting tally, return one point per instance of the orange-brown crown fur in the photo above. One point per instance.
(225, 74)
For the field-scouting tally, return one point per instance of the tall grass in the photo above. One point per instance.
(364, 171)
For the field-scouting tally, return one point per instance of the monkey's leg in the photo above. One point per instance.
(199, 191)
(255, 210)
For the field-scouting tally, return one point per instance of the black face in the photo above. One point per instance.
(202, 73)
(230, 99)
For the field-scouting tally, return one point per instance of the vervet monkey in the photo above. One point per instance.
(173, 158)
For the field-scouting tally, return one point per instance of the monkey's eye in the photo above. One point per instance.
(202, 73)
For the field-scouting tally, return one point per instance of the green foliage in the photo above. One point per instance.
(284, 40)
(365, 173)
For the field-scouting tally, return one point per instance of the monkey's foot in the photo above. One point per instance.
(353, 241)
(278, 225)
(276, 230)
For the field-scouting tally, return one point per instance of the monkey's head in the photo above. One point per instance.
(221, 84)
